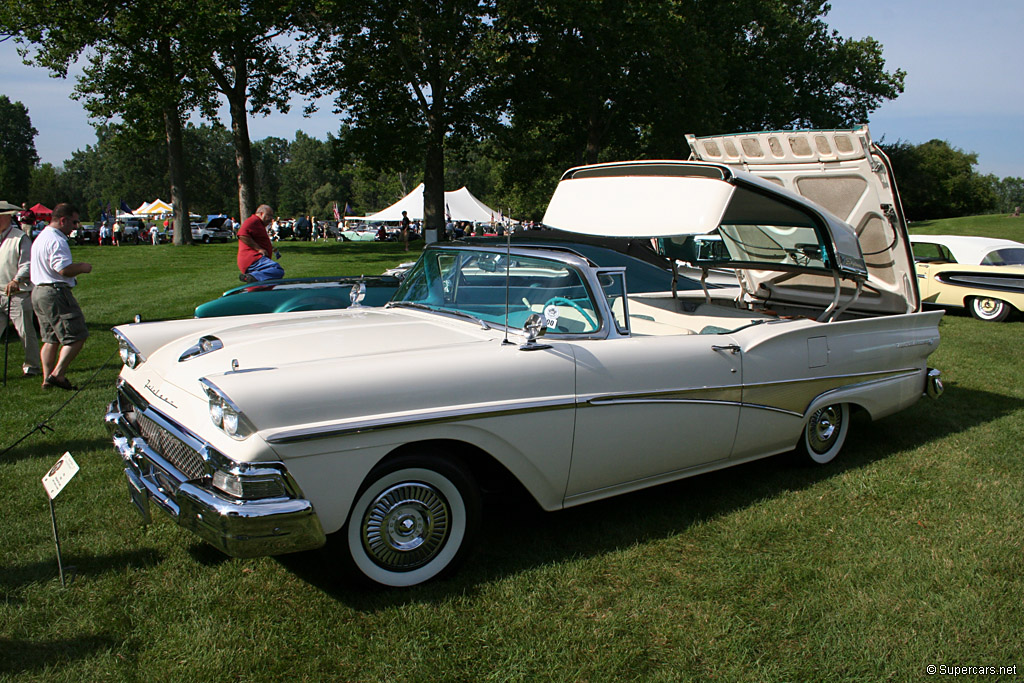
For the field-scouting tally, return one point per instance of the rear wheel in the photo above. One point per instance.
(988, 309)
(825, 433)
(413, 521)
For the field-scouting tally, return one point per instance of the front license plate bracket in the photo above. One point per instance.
(140, 498)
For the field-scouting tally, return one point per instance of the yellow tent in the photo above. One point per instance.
(156, 208)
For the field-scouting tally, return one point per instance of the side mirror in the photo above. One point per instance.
(534, 327)
(357, 294)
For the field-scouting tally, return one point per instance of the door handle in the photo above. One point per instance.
(731, 348)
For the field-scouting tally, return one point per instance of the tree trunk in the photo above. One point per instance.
(433, 178)
(243, 153)
(176, 165)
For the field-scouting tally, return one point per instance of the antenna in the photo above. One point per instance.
(508, 275)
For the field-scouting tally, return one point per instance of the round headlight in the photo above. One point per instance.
(230, 421)
(216, 412)
(123, 351)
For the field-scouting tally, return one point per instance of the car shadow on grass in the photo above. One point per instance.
(518, 536)
(76, 567)
(33, 656)
(49, 446)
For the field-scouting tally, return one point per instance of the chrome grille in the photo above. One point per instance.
(172, 449)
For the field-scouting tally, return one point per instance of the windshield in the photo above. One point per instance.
(467, 282)
(1012, 256)
(774, 245)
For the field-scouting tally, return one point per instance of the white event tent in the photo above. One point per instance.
(460, 204)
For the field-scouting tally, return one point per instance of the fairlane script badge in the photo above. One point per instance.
(59, 475)
(153, 390)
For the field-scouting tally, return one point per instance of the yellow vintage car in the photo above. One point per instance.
(982, 274)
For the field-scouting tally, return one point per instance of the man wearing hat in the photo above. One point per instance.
(16, 287)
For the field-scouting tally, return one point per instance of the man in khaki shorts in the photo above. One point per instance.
(61, 321)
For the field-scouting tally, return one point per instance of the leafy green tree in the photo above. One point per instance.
(594, 80)
(937, 180)
(407, 75)
(17, 150)
(124, 164)
(210, 159)
(314, 179)
(234, 42)
(269, 156)
(44, 186)
(139, 68)
(1009, 193)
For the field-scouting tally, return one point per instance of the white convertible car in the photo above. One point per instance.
(263, 434)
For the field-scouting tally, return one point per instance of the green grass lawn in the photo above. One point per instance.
(903, 553)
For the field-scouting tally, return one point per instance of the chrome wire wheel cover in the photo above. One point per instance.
(824, 428)
(406, 526)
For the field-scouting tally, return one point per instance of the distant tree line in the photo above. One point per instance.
(502, 95)
(937, 180)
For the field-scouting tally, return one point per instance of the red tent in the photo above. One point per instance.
(40, 210)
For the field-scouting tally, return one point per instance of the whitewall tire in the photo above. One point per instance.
(825, 433)
(412, 521)
(988, 309)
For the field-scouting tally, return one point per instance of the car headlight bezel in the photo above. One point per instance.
(130, 356)
(225, 414)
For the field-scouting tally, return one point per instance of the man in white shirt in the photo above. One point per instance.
(61, 320)
(16, 288)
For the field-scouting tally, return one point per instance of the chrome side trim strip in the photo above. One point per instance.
(435, 417)
(788, 396)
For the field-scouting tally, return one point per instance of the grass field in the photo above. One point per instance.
(904, 553)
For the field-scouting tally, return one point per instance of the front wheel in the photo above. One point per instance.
(825, 433)
(413, 521)
(988, 309)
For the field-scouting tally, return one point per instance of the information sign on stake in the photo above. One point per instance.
(54, 482)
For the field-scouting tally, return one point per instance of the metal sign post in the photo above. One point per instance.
(54, 482)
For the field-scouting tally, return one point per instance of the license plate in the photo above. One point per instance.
(140, 498)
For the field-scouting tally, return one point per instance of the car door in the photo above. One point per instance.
(649, 407)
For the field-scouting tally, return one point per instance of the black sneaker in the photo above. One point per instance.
(245, 277)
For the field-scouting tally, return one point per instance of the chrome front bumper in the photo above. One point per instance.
(240, 528)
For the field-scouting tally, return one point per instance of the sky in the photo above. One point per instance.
(964, 83)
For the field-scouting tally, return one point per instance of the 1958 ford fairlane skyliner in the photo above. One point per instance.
(262, 434)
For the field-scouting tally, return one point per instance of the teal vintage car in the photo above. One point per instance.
(647, 271)
(299, 294)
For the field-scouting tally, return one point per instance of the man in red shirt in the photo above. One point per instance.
(255, 248)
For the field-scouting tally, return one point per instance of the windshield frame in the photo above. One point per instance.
(579, 265)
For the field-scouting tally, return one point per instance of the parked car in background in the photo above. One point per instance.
(982, 274)
(534, 364)
(86, 234)
(212, 231)
(300, 294)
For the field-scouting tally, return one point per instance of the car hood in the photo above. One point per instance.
(292, 345)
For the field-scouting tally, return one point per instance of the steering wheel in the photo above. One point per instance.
(562, 301)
